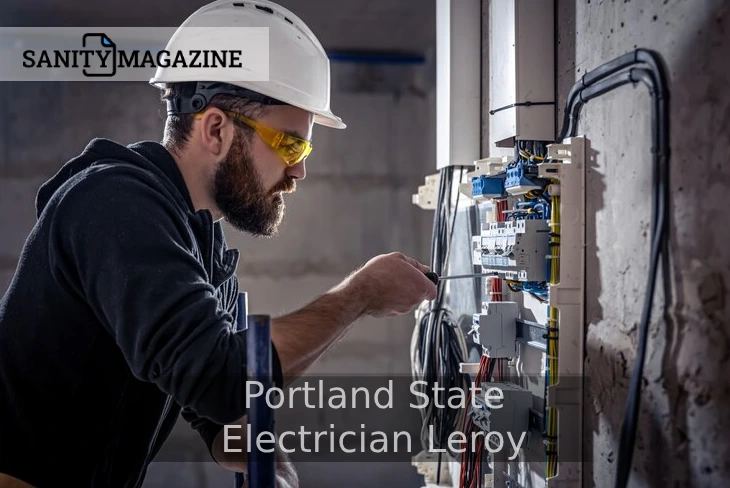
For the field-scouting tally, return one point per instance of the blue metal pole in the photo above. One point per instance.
(261, 465)
(241, 324)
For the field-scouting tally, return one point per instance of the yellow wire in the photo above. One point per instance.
(551, 468)
(529, 155)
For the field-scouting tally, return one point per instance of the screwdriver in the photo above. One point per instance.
(436, 278)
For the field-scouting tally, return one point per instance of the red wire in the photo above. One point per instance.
(478, 466)
(469, 427)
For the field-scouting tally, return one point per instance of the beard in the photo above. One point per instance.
(241, 196)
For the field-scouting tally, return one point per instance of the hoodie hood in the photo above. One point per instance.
(148, 155)
(151, 156)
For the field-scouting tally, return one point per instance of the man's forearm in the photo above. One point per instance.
(303, 336)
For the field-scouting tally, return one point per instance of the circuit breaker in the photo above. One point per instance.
(516, 250)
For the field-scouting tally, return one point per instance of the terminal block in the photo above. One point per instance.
(516, 250)
(495, 329)
(521, 178)
(488, 186)
(491, 185)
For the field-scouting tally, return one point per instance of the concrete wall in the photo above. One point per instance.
(684, 426)
(355, 203)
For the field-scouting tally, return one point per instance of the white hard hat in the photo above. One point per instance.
(299, 70)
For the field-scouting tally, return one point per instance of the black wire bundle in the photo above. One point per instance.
(439, 344)
(593, 84)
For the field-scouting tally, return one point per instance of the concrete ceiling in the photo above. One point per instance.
(391, 25)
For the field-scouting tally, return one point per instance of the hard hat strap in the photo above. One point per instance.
(194, 97)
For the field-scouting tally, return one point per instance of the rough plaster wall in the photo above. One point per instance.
(354, 204)
(684, 426)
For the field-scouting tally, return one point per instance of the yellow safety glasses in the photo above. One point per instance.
(291, 149)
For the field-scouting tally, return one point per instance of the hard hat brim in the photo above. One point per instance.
(329, 120)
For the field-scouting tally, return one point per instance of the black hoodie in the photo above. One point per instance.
(121, 313)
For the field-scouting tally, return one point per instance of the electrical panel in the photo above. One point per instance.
(524, 243)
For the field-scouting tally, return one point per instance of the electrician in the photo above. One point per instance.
(121, 312)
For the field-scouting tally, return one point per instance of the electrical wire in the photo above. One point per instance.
(438, 345)
(593, 84)
(471, 465)
(537, 291)
(551, 374)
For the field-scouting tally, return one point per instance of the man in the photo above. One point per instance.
(121, 312)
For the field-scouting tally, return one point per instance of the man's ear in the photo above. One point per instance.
(215, 131)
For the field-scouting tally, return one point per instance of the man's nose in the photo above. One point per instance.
(298, 171)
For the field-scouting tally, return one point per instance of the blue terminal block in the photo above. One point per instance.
(516, 175)
(521, 176)
(488, 186)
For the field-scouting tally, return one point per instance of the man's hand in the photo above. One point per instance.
(391, 284)
(286, 475)
(387, 285)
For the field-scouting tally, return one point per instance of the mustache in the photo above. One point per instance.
(288, 185)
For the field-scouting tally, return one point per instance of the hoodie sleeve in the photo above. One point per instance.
(121, 241)
(209, 430)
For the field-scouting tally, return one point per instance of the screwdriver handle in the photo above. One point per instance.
(433, 277)
(438, 279)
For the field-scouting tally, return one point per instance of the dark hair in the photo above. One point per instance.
(177, 127)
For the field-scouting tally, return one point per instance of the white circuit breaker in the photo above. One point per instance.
(516, 250)
(495, 329)
(510, 414)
